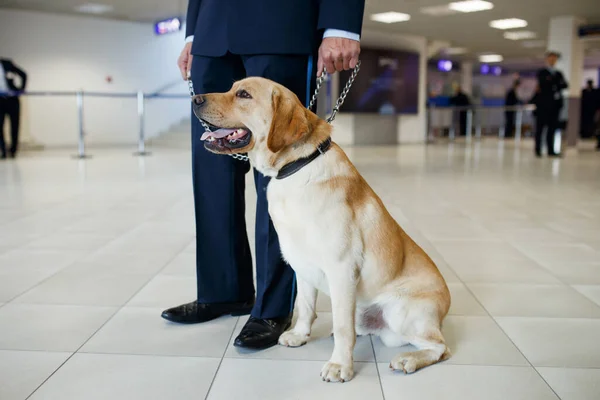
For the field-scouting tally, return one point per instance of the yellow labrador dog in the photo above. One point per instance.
(333, 229)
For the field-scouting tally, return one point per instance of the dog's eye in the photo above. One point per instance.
(243, 94)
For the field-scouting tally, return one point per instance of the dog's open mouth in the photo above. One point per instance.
(224, 139)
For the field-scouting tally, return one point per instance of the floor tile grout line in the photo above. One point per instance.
(222, 358)
(486, 310)
(69, 265)
(95, 352)
(377, 367)
(550, 272)
(118, 309)
(85, 254)
(497, 324)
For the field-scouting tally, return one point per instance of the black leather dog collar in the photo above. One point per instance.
(295, 166)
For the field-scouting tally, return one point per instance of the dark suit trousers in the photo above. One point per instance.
(509, 128)
(223, 259)
(546, 120)
(10, 106)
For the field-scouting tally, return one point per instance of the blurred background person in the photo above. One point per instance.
(460, 99)
(10, 89)
(589, 106)
(511, 100)
(551, 83)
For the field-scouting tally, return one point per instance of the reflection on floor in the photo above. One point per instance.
(90, 252)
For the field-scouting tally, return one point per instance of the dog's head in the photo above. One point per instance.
(261, 118)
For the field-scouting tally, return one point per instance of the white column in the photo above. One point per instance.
(563, 38)
(413, 128)
(466, 78)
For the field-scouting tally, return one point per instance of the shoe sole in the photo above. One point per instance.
(236, 313)
(264, 346)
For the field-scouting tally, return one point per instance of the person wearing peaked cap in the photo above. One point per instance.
(551, 83)
(228, 40)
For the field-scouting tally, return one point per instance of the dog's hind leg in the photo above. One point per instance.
(431, 349)
(305, 305)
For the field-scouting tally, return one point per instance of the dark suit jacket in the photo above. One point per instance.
(460, 100)
(10, 68)
(550, 90)
(511, 98)
(267, 26)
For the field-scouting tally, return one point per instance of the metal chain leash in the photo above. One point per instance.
(345, 91)
(319, 83)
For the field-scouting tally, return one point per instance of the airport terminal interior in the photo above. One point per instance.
(97, 226)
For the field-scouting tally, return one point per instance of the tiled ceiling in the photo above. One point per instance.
(462, 30)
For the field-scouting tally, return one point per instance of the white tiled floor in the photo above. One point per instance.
(92, 251)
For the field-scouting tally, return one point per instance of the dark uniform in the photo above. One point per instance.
(10, 106)
(460, 99)
(511, 100)
(549, 102)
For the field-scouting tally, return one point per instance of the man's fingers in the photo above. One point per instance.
(330, 66)
(182, 68)
(347, 60)
(353, 61)
(189, 66)
(339, 63)
(329, 63)
(320, 66)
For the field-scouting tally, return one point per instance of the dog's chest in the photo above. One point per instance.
(306, 232)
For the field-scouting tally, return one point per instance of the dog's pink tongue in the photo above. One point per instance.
(218, 134)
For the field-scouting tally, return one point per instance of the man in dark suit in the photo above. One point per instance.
(511, 100)
(9, 104)
(227, 41)
(549, 103)
(590, 104)
(460, 99)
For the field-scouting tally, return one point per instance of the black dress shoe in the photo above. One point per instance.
(194, 312)
(260, 334)
(555, 155)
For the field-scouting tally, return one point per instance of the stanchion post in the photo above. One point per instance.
(141, 108)
(452, 132)
(478, 125)
(430, 110)
(469, 124)
(519, 123)
(81, 139)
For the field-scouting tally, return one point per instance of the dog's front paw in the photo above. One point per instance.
(333, 372)
(292, 339)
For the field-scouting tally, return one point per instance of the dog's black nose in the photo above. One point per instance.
(198, 100)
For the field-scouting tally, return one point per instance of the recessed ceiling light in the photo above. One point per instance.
(519, 35)
(530, 44)
(490, 58)
(438, 11)
(390, 17)
(509, 23)
(453, 51)
(471, 6)
(94, 8)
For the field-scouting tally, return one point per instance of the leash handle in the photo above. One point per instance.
(342, 98)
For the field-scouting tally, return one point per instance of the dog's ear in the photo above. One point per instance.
(290, 122)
